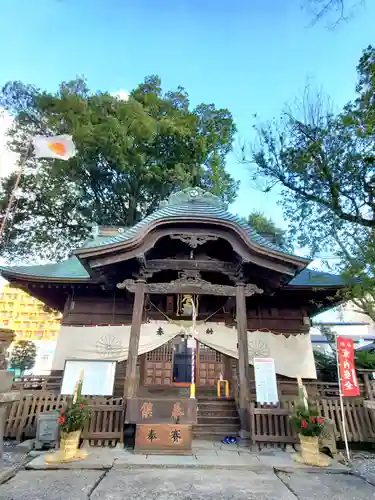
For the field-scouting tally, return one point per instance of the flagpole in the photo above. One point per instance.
(345, 436)
(16, 184)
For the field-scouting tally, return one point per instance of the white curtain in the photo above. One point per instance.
(293, 355)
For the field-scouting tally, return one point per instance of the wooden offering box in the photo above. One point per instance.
(163, 425)
(163, 439)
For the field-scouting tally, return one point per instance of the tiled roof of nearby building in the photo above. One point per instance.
(310, 277)
(70, 269)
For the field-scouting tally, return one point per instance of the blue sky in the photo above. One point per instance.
(251, 56)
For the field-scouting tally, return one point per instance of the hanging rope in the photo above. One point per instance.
(161, 312)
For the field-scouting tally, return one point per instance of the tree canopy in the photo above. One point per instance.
(131, 154)
(325, 165)
(266, 227)
(23, 355)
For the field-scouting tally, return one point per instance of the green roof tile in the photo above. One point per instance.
(69, 269)
(72, 269)
(310, 277)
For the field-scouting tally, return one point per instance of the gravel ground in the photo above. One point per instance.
(317, 486)
(363, 465)
(12, 458)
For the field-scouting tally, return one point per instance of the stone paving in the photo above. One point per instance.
(215, 471)
(206, 454)
(193, 485)
(327, 486)
(51, 485)
(178, 484)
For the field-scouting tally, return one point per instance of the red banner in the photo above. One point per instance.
(348, 376)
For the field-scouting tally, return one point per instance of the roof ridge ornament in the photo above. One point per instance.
(193, 194)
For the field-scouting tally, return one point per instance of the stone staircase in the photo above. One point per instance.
(217, 418)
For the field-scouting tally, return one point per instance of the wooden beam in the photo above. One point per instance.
(243, 360)
(194, 286)
(207, 265)
(130, 385)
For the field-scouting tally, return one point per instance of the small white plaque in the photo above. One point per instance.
(265, 381)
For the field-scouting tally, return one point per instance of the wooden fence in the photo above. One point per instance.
(273, 425)
(37, 383)
(268, 424)
(369, 383)
(103, 429)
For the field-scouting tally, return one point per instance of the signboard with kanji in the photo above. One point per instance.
(173, 439)
(348, 376)
(265, 381)
(161, 410)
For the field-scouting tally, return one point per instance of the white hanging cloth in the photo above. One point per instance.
(293, 355)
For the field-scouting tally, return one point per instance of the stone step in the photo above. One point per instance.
(212, 397)
(216, 404)
(225, 429)
(213, 435)
(216, 400)
(218, 420)
(218, 413)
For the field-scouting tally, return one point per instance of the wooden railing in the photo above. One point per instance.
(37, 383)
(369, 383)
(103, 428)
(273, 425)
(288, 389)
(105, 425)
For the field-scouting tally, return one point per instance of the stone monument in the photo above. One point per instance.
(7, 396)
(6, 338)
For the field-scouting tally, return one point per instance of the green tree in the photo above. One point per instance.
(23, 355)
(325, 165)
(131, 154)
(268, 229)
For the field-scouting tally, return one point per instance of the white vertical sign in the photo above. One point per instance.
(265, 380)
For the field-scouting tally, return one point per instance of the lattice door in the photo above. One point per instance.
(211, 364)
(159, 365)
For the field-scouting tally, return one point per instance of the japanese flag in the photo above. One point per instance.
(58, 146)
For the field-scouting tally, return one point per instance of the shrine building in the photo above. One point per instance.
(130, 294)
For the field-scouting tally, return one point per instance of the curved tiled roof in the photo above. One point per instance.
(192, 210)
(191, 205)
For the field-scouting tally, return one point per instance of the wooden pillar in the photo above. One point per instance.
(130, 385)
(243, 361)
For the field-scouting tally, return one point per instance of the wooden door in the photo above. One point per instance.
(210, 365)
(159, 365)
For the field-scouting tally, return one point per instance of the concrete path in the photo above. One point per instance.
(178, 484)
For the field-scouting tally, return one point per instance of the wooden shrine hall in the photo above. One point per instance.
(189, 294)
